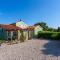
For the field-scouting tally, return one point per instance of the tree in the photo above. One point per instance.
(58, 29)
(51, 29)
(43, 25)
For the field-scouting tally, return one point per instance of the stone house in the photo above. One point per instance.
(9, 32)
(13, 31)
(37, 29)
(27, 30)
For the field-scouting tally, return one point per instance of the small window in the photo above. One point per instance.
(15, 33)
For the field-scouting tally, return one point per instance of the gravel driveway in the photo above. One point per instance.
(31, 50)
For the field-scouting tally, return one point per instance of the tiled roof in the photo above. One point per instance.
(13, 27)
(29, 28)
(9, 27)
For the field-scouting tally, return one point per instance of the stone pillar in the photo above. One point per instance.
(7, 35)
(27, 35)
(11, 35)
(19, 34)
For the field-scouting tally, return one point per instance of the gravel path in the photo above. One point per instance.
(31, 50)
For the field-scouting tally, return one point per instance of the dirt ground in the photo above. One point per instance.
(35, 49)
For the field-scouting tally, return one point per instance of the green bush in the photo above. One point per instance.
(2, 40)
(49, 35)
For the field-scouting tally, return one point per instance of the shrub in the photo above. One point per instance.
(2, 40)
(49, 35)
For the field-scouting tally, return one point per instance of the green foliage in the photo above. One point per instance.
(50, 29)
(43, 25)
(58, 29)
(49, 35)
(2, 40)
(47, 28)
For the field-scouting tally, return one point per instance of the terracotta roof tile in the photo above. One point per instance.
(10, 27)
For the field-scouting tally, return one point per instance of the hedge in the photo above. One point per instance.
(49, 35)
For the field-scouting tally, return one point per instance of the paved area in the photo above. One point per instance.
(31, 50)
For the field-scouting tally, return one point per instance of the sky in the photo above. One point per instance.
(30, 11)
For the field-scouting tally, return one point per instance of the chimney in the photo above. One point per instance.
(20, 20)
